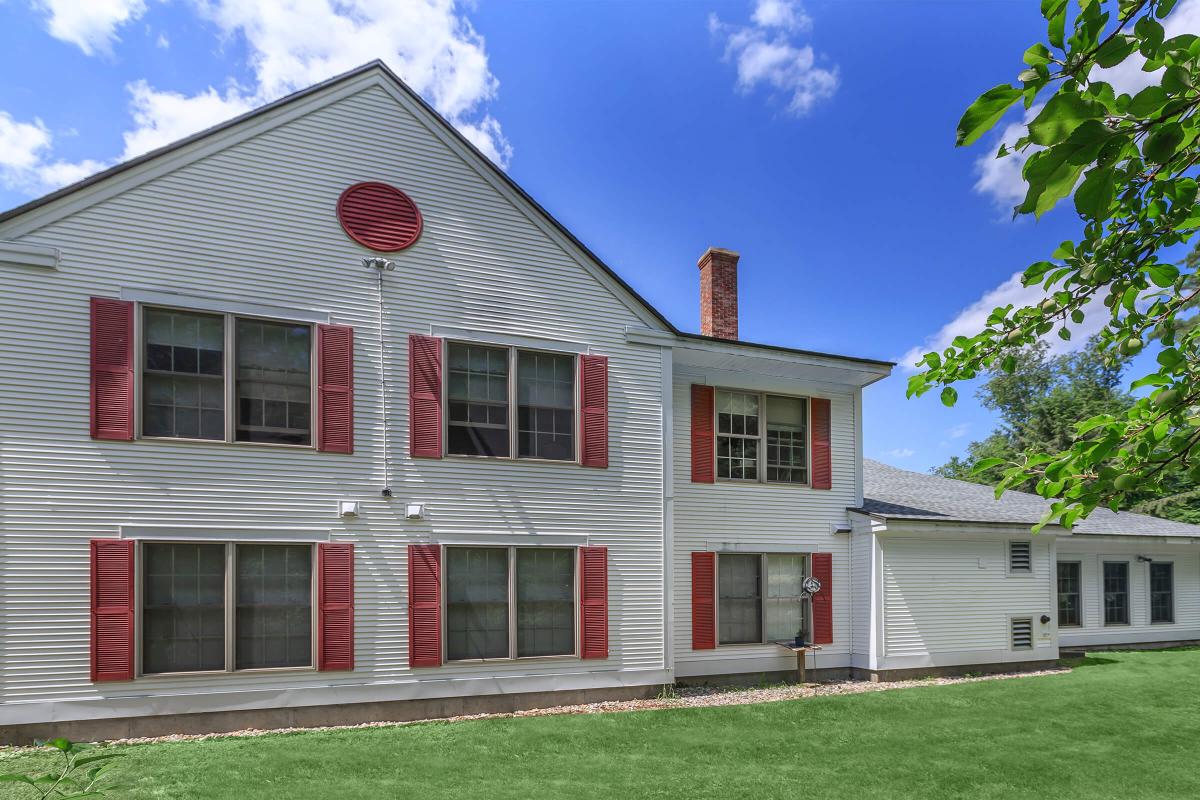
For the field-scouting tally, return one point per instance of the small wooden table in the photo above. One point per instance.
(800, 651)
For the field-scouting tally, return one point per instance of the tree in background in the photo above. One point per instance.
(1130, 162)
(1038, 404)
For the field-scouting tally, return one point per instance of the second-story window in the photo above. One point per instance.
(487, 414)
(188, 379)
(762, 437)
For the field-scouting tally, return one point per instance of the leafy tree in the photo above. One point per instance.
(1130, 162)
(1038, 403)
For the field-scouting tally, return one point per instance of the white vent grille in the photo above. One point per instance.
(1020, 557)
(1022, 633)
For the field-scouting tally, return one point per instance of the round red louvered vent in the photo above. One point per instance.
(379, 216)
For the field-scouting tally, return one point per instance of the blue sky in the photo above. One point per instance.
(816, 139)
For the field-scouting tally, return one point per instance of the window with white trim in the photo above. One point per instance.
(490, 414)
(194, 620)
(1162, 592)
(761, 437)
(760, 597)
(1116, 592)
(1070, 596)
(510, 602)
(188, 381)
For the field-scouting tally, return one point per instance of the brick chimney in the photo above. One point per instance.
(718, 293)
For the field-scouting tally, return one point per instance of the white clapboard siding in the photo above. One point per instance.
(862, 548)
(1092, 551)
(954, 594)
(764, 517)
(255, 223)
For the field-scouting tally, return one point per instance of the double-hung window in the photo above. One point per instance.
(508, 402)
(509, 602)
(1070, 611)
(1116, 592)
(189, 379)
(762, 437)
(223, 606)
(760, 597)
(1162, 592)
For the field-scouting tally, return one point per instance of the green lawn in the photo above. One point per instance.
(1119, 725)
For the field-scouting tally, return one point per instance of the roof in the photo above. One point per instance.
(898, 494)
(501, 174)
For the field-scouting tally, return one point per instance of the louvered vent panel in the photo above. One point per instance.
(1022, 633)
(1020, 557)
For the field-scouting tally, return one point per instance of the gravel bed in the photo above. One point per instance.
(685, 697)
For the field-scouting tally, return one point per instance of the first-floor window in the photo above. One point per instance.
(185, 596)
(1069, 610)
(1116, 592)
(759, 597)
(509, 602)
(1162, 591)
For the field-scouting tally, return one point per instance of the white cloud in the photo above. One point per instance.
(1000, 178)
(164, 117)
(899, 453)
(1128, 77)
(91, 25)
(292, 44)
(972, 319)
(959, 431)
(766, 54)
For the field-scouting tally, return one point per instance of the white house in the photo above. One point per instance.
(305, 420)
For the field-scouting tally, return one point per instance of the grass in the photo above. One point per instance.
(1119, 725)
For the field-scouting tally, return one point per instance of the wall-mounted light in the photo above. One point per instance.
(1147, 559)
(414, 511)
(347, 508)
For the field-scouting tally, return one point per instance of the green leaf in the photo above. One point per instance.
(1163, 143)
(1163, 275)
(1164, 8)
(1147, 101)
(1150, 31)
(1065, 112)
(949, 396)
(985, 464)
(1115, 50)
(1037, 54)
(1176, 79)
(985, 112)
(9, 778)
(1055, 13)
(1094, 196)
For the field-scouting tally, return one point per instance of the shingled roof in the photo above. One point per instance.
(893, 493)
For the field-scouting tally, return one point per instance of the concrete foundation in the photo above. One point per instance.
(765, 678)
(883, 675)
(94, 730)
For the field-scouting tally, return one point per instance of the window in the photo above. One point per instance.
(480, 416)
(760, 597)
(545, 406)
(1022, 633)
(1020, 556)
(273, 389)
(509, 602)
(1070, 611)
(1116, 592)
(478, 401)
(183, 383)
(751, 426)
(1162, 592)
(185, 594)
(185, 375)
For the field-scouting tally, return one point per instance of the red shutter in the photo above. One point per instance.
(424, 605)
(112, 609)
(335, 388)
(704, 593)
(425, 396)
(821, 460)
(593, 601)
(822, 601)
(112, 369)
(593, 379)
(335, 606)
(703, 468)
